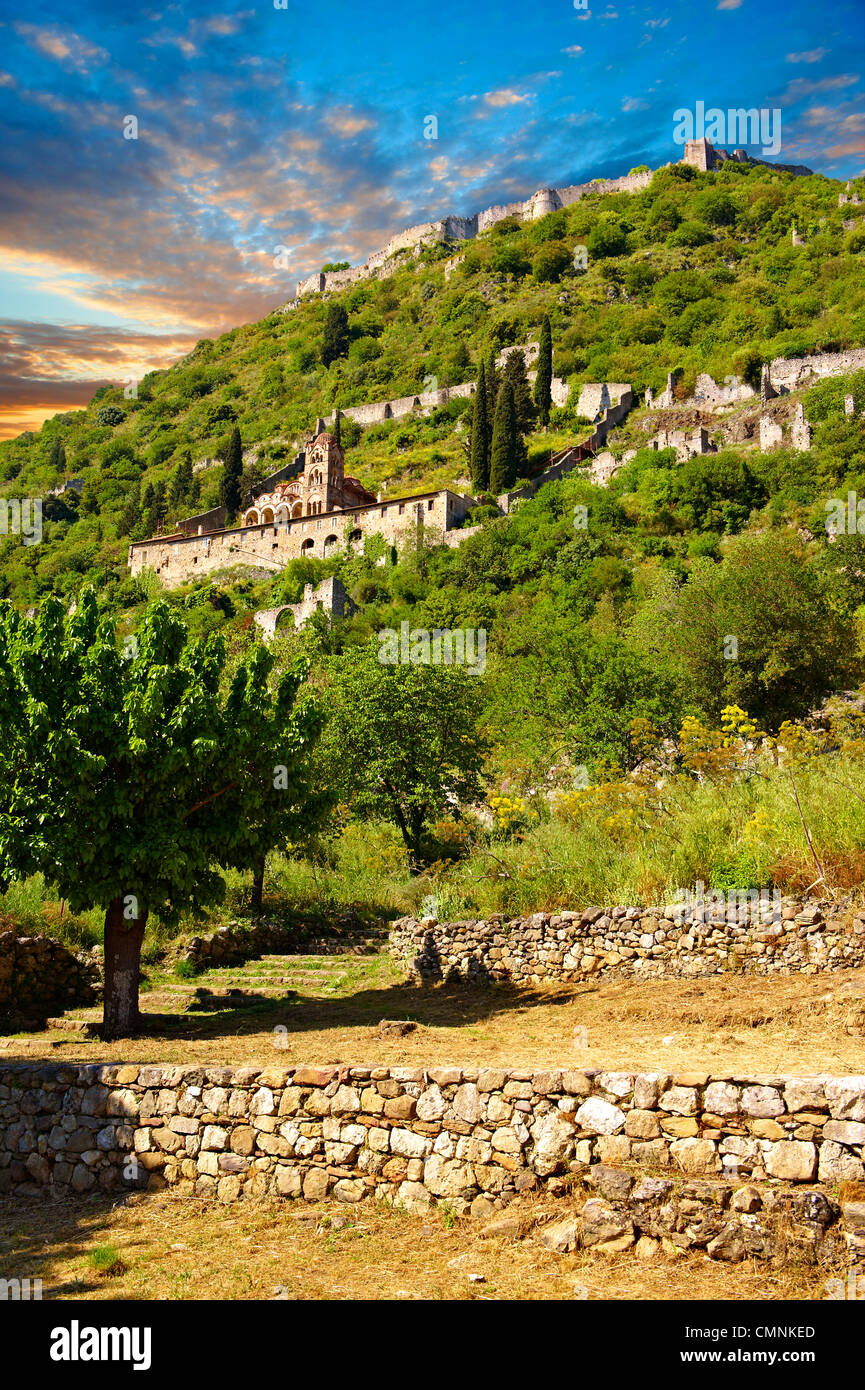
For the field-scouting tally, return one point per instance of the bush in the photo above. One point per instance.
(715, 207)
(690, 234)
(607, 239)
(510, 260)
(551, 262)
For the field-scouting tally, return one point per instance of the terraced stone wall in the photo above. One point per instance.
(759, 937)
(474, 1137)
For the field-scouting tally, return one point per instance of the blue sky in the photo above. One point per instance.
(303, 128)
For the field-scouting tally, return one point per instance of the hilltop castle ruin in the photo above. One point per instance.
(698, 153)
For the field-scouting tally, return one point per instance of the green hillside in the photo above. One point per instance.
(697, 273)
(620, 622)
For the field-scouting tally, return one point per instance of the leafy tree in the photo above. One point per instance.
(510, 260)
(480, 451)
(504, 453)
(402, 739)
(335, 340)
(232, 471)
(127, 778)
(555, 688)
(544, 377)
(713, 206)
(794, 640)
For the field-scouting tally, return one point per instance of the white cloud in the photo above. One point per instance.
(804, 86)
(811, 55)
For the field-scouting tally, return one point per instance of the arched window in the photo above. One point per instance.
(330, 542)
(307, 545)
(267, 516)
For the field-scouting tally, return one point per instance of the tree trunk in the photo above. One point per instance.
(257, 898)
(123, 938)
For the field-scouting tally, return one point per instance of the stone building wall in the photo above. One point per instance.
(635, 941)
(179, 559)
(475, 1137)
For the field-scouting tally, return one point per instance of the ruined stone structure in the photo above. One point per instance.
(791, 373)
(701, 154)
(375, 412)
(329, 596)
(771, 433)
(778, 378)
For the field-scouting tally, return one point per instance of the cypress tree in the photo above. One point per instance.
(337, 433)
(503, 462)
(480, 454)
(175, 491)
(544, 378)
(160, 502)
(335, 341)
(131, 515)
(185, 477)
(515, 373)
(57, 457)
(232, 471)
(492, 378)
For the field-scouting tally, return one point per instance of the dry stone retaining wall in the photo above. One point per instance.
(473, 1137)
(39, 976)
(645, 942)
(236, 943)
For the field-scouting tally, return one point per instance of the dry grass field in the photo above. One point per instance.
(161, 1247)
(327, 1009)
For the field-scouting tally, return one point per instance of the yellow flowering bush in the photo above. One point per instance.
(511, 813)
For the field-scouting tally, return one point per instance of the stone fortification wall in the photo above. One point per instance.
(453, 228)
